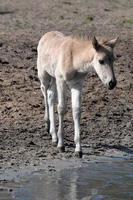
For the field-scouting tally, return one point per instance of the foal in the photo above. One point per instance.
(64, 60)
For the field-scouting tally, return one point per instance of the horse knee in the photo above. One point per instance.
(76, 112)
(61, 110)
(50, 95)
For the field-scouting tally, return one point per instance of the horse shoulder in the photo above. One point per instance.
(65, 61)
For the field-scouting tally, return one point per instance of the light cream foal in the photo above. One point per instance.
(64, 60)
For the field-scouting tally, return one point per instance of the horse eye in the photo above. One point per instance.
(101, 62)
(111, 59)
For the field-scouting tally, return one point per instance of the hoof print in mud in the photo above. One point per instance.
(61, 149)
(78, 154)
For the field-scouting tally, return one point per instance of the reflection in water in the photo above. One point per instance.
(97, 181)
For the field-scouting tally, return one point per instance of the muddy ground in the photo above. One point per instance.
(107, 116)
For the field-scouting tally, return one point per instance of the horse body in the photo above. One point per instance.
(66, 60)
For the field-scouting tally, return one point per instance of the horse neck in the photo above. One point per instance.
(83, 53)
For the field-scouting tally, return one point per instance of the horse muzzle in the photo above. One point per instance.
(112, 84)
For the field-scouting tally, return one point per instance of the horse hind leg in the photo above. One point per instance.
(51, 92)
(45, 81)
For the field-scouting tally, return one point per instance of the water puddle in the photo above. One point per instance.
(110, 180)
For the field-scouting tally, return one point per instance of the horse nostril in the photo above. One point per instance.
(112, 84)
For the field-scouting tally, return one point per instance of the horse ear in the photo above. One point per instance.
(95, 43)
(112, 42)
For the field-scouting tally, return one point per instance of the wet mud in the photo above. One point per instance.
(101, 179)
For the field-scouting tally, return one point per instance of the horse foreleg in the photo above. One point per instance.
(61, 112)
(76, 103)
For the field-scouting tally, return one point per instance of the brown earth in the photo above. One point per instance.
(107, 122)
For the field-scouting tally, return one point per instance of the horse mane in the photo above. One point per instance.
(88, 38)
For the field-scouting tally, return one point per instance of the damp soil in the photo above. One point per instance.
(107, 116)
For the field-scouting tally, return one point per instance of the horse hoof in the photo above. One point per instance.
(78, 154)
(54, 144)
(61, 149)
(47, 126)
